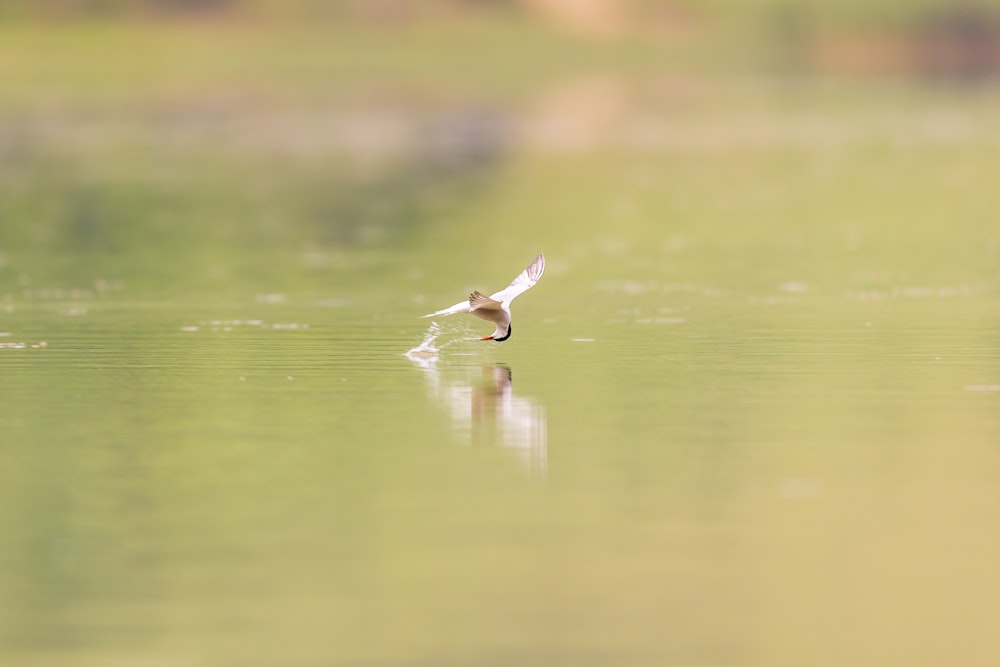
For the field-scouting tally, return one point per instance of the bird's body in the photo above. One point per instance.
(495, 308)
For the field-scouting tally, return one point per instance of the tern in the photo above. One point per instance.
(495, 308)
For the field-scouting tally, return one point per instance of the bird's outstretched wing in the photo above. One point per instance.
(524, 281)
(460, 307)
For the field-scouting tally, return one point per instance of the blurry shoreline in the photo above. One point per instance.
(332, 143)
(949, 40)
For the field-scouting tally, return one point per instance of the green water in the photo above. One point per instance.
(749, 416)
(743, 484)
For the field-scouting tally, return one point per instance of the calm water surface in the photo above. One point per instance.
(798, 479)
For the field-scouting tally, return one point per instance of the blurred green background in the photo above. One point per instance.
(166, 141)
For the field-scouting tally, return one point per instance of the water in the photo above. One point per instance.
(281, 484)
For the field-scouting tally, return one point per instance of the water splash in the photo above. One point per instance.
(457, 335)
(426, 351)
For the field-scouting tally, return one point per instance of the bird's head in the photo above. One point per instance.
(501, 339)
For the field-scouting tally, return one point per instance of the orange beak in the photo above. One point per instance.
(487, 338)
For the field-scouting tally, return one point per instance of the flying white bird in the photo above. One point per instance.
(496, 307)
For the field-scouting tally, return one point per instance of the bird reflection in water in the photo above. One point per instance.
(484, 408)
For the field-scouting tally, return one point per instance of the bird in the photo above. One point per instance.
(495, 308)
